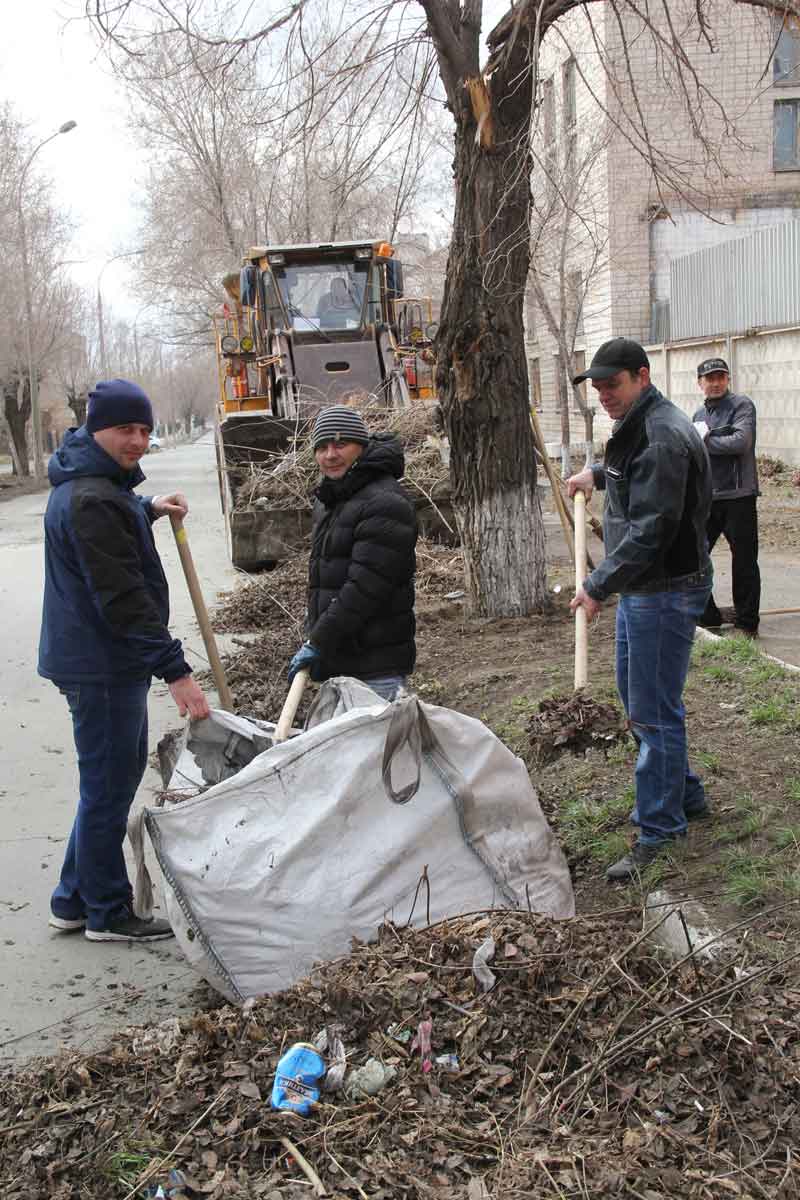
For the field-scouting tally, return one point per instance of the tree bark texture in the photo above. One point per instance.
(17, 411)
(481, 375)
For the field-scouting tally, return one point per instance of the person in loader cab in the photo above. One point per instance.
(360, 620)
(657, 480)
(104, 636)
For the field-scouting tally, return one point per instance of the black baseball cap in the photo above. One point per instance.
(620, 354)
(711, 364)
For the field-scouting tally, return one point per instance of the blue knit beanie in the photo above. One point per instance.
(118, 402)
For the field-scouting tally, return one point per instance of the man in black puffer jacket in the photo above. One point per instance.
(360, 619)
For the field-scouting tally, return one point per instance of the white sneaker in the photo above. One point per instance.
(66, 924)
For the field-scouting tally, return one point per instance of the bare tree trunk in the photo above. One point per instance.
(563, 391)
(17, 410)
(481, 374)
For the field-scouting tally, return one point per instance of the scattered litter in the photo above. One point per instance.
(399, 1033)
(369, 1079)
(480, 968)
(329, 1042)
(295, 1087)
(422, 1042)
(448, 1062)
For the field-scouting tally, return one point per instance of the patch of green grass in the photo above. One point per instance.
(775, 711)
(748, 819)
(754, 879)
(718, 673)
(742, 650)
(709, 761)
(792, 787)
(702, 650)
(766, 671)
(125, 1166)
(786, 836)
(592, 827)
(750, 878)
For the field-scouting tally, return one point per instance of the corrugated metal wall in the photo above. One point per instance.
(747, 283)
(765, 366)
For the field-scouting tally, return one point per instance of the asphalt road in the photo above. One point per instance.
(58, 989)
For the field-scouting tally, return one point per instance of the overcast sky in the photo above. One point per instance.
(51, 72)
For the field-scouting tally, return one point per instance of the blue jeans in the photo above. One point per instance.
(655, 631)
(386, 686)
(109, 723)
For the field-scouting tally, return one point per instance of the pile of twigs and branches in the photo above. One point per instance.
(591, 1068)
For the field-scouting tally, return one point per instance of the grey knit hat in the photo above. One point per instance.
(339, 424)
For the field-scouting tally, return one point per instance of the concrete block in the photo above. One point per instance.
(671, 936)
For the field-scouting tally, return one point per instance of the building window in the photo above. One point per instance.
(785, 136)
(535, 376)
(786, 56)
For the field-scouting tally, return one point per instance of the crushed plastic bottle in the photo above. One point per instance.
(296, 1077)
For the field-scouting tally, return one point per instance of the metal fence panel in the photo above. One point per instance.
(747, 283)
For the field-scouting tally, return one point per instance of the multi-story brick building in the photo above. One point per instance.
(651, 143)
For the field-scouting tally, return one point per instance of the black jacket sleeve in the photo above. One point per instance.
(657, 488)
(383, 540)
(109, 553)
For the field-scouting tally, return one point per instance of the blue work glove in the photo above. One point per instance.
(305, 660)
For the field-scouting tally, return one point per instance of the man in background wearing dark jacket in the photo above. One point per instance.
(104, 636)
(360, 619)
(657, 481)
(727, 425)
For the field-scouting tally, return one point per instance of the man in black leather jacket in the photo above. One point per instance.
(727, 424)
(657, 480)
(360, 619)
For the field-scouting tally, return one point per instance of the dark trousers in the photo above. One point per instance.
(109, 723)
(737, 521)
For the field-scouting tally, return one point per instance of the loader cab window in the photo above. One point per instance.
(323, 296)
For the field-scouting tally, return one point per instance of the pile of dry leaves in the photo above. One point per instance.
(590, 1068)
(574, 723)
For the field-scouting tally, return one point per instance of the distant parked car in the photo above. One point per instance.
(155, 444)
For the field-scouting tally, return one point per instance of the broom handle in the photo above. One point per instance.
(290, 707)
(201, 612)
(581, 619)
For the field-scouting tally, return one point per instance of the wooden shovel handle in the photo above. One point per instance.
(581, 619)
(290, 707)
(201, 612)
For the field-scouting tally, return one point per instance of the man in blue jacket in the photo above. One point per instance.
(657, 481)
(104, 636)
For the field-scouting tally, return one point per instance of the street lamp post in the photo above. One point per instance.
(33, 381)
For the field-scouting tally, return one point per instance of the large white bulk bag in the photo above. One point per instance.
(326, 836)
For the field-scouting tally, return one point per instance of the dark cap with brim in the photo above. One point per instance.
(709, 365)
(619, 354)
